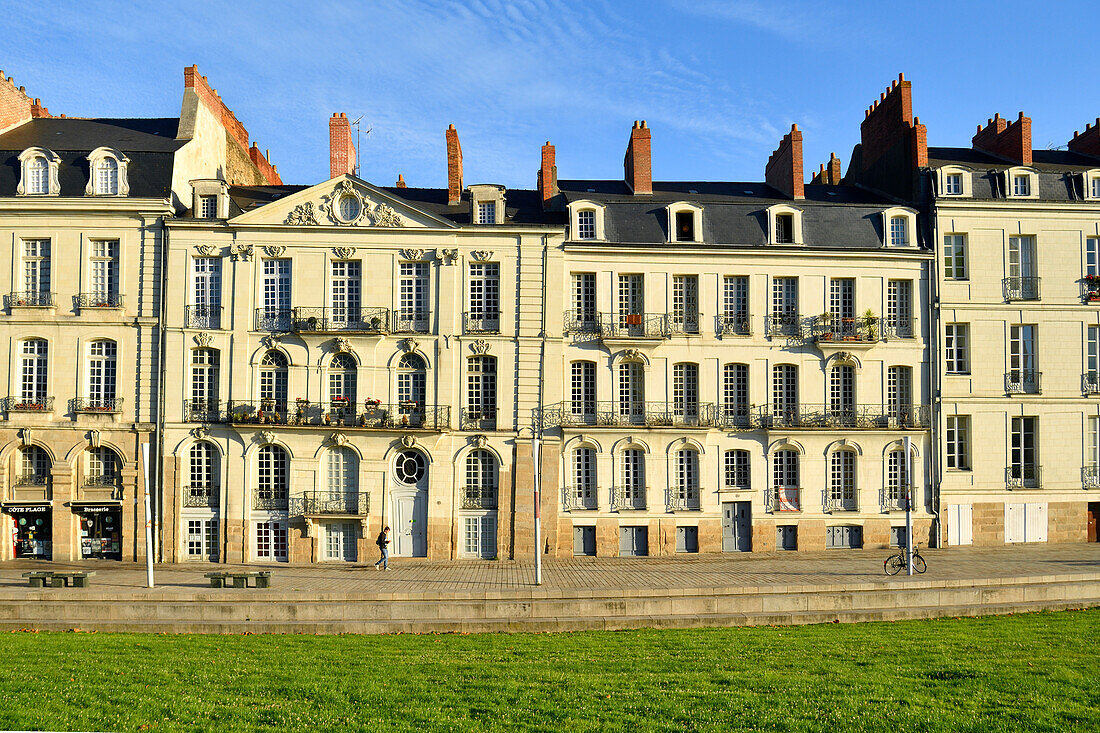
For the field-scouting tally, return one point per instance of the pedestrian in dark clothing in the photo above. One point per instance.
(383, 543)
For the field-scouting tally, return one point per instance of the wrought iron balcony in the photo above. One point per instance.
(329, 502)
(32, 479)
(28, 404)
(735, 417)
(481, 322)
(581, 321)
(1023, 381)
(846, 501)
(892, 498)
(863, 417)
(1023, 476)
(1090, 477)
(627, 498)
(302, 413)
(849, 331)
(412, 321)
(30, 299)
(578, 497)
(272, 500)
(682, 499)
(96, 404)
(739, 478)
(783, 499)
(783, 324)
(276, 320)
(478, 497)
(102, 487)
(1090, 289)
(615, 414)
(684, 324)
(98, 300)
(634, 326)
(1020, 288)
(1090, 382)
(202, 316)
(200, 496)
(209, 411)
(478, 418)
(733, 324)
(898, 328)
(371, 321)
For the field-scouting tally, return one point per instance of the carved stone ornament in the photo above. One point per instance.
(338, 439)
(206, 250)
(203, 339)
(450, 256)
(269, 342)
(200, 433)
(27, 436)
(481, 255)
(412, 254)
(479, 441)
(843, 357)
(93, 438)
(343, 253)
(409, 345)
(480, 346)
(341, 344)
(632, 355)
(302, 214)
(266, 436)
(384, 216)
(330, 205)
(408, 441)
(240, 252)
(274, 250)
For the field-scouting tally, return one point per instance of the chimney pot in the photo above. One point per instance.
(901, 77)
(454, 167)
(637, 163)
(342, 153)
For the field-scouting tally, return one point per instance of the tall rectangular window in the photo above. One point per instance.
(631, 300)
(632, 473)
(345, 284)
(276, 293)
(1092, 460)
(487, 212)
(736, 469)
(105, 268)
(584, 478)
(481, 388)
(206, 286)
(101, 373)
(208, 207)
(485, 295)
(586, 224)
(202, 539)
(899, 391)
(735, 393)
(899, 237)
(685, 390)
(34, 372)
(1021, 257)
(631, 391)
(1023, 370)
(899, 307)
(842, 391)
(784, 315)
(412, 307)
(583, 388)
(957, 348)
(952, 184)
(204, 378)
(583, 286)
(36, 266)
(1092, 359)
(785, 391)
(842, 298)
(958, 442)
(1024, 452)
(735, 295)
(685, 303)
(1021, 185)
(954, 256)
(1092, 253)
(271, 541)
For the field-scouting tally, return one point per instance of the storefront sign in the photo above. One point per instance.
(40, 509)
(97, 509)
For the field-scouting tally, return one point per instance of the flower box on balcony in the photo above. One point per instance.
(1093, 297)
(28, 406)
(633, 319)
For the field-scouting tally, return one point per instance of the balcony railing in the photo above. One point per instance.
(478, 418)
(578, 497)
(102, 488)
(1023, 382)
(682, 499)
(733, 324)
(737, 417)
(478, 497)
(1090, 289)
(271, 500)
(200, 496)
(864, 417)
(98, 300)
(96, 404)
(844, 501)
(895, 327)
(627, 498)
(864, 329)
(581, 321)
(739, 478)
(1090, 382)
(301, 413)
(32, 479)
(684, 324)
(783, 324)
(1090, 477)
(373, 321)
(1020, 288)
(210, 411)
(892, 498)
(1022, 476)
(783, 499)
(634, 325)
(30, 299)
(481, 322)
(614, 414)
(28, 404)
(412, 321)
(329, 502)
(277, 320)
(203, 316)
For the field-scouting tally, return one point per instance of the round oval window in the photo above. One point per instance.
(410, 466)
(349, 207)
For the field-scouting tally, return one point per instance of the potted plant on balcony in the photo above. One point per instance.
(870, 321)
(826, 322)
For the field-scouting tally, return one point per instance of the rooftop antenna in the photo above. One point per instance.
(358, 154)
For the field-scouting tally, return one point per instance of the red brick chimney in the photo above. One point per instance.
(637, 164)
(454, 167)
(828, 174)
(15, 105)
(889, 121)
(784, 169)
(341, 149)
(400, 181)
(548, 177)
(1011, 140)
(1085, 143)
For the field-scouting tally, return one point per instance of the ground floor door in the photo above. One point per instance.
(1094, 515)
(479, 536)
(584, 541)
(410, 524)
(31, 535)
(633, 541)
(1025, 523)
(736, 526)
(340, 541)
(960, 524)
(101, 533)
(202, 539)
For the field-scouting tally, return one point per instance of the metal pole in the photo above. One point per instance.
(148, 518)
(908, 506)
(536, 457)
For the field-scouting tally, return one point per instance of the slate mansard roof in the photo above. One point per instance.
(150, 144)
(1059, 171)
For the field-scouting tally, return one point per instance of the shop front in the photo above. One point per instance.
(100, 531)
(32, 531)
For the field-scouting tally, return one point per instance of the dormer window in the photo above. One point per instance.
(208, 207)
(1021, 185)
(953, 184)
(784, 228)
(685, 226)
(106, 177)
(899, 227)
(954, 180)
(39, 173)
(586, 224)
(211, 199)
(107, 173)
(586, 221)
(487, 212)
(1095, 187)
(784, 225)
(488, 204)
(899, 235)
(38, 176)
(685, 222)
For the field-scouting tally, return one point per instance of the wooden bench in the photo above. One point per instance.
(59, 579)
(239, 579)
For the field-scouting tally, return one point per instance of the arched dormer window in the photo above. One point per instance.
(685, 222)
(586, 221)
(39, 173)
(107, 173)
(953, 180)
(899, 227)
(1021, 183)
(1090, 184)
(784, 225)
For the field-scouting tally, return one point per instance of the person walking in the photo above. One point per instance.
(383, 543)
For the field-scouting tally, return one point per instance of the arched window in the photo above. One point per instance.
(786, 488)
(842, 394)
(342, 371)
(203, 474)
(842, 481)
(204, 383)
(687, 479)
(412, 380)
(630, 493)
(38, 175)
(582, 495)
(736, 470)
(273, 480)
(481, 393)
(343, 477)
(481, 481)
(102, 469)
(102, 369)
(33, 377)
(897, 481)
(106, 177)
(273, 381)
(785, 395)
(632, 393)
(34, 467)
(685, 391)
(582, 404)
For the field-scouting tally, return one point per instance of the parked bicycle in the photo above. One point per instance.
(896, 563)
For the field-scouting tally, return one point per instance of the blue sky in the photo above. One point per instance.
(718, 82)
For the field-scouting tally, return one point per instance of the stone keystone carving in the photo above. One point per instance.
(480, 346)
(342, 344)
(200, 432)
(343, 253)
(480, 441)
(240, 252)
(481, 255)
(266, 436)
(206, 249)
(412, 254)
(274, 250)
(93, 438)
(203, 339)
(339, 439)
(410, 344)
(408, 441)
(449, 256)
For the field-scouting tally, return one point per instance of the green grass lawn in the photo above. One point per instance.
(1026, 672)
